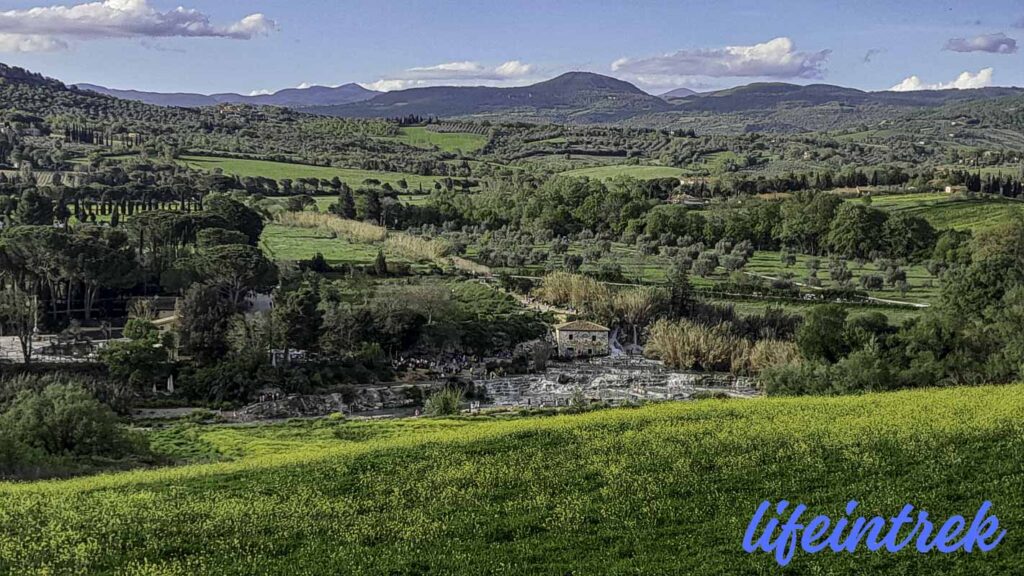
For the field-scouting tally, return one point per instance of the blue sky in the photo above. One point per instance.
(257, 45)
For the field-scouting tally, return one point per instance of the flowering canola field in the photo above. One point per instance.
(663, 489)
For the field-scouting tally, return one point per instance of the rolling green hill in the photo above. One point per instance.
(664, 489)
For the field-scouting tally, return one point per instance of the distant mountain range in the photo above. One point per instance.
(573, 96)
(769, 95)
(588, 98)
(290, 97)
(583, 97)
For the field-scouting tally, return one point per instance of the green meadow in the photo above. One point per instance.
(281, 170)
(281, 242)
(952, 211)
(635, 171)
(661, 489)
(420, 137)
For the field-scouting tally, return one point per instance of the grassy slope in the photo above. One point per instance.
(291, 243)
(770, 263)
(666, 489)
(641, 172)
(279, 170)
(945, 211)
(420, 137)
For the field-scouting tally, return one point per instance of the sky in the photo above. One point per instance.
(256, 46)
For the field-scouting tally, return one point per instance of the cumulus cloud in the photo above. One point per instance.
(457, 73)
(49, 27)
(995, 43)
(964, 81)
(777, 58)
(30, 43)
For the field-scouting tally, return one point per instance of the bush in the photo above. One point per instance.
(106, 390)
(872, 282)
(822, 335)
(64, 419)
(444, 402)
(686, 345)
(772, 353)
(59, 429)
(795, 379)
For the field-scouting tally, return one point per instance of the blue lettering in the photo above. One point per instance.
(781, 538)
(816, 528)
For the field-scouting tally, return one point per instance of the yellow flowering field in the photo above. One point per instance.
(662, 489)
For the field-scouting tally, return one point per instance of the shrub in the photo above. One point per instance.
(771, 353)
(872, 282)
(444, 402)
(687, 345)
(706, 264)
(55, 426)
(822, 335)
(795, 379)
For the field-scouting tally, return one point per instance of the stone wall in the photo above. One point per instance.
(607, 380)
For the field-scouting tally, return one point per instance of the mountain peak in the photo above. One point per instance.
(588, 82)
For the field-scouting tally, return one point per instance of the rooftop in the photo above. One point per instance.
(580, 326)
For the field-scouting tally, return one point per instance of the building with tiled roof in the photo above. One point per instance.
(580, 339)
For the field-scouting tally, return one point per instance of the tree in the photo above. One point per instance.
(204, 318)
(34, 208)
(572, 262)
(380, 264)
(346, 203)
(907, 236)
(680, 291)
(236, 269)
(238, 216)
(18, 316)
(141, 361)
(300, 203)
(101, 259)
(298, 314)
(822, 335)
(706, 264)
(855, 231)
(872, 282)
(209, 237)
(430, 299)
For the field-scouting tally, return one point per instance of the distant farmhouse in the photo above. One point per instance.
(580, 339)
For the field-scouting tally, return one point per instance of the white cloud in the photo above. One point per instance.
(30, 43)
(389, 85)
(48, 27)
(261, 93)
(462, 72)
(514, 68)
(776, 58)
(964, 81)
(994, 43)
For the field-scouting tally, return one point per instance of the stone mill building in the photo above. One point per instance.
(579, 339)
